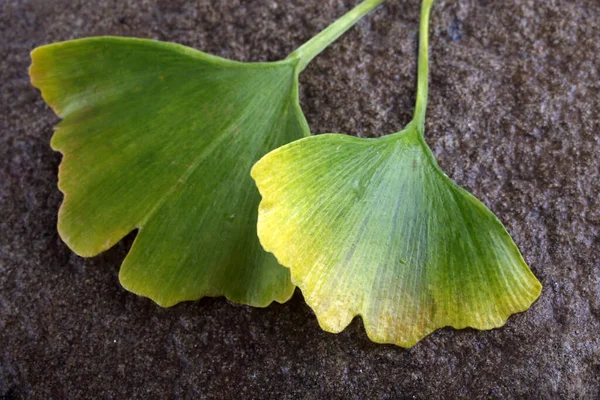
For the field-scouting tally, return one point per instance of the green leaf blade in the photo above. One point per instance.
(374, 228)
(159, 137)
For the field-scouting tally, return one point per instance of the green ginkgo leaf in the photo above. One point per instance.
(161, 138)
(373, 227)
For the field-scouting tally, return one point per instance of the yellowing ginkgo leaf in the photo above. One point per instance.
(373, 227)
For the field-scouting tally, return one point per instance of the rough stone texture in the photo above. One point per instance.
(513, 117)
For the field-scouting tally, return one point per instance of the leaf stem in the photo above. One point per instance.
(309, 50)
(423, 68)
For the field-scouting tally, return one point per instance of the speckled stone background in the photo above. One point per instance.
(514, 117)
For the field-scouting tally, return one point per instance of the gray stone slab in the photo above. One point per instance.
(513, 117)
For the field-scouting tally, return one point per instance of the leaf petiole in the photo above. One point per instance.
(309, 50)
(423, 68)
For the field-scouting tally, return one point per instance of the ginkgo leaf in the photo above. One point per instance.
(373, 227)
(161, 138)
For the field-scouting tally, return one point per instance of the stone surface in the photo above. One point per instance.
(513, 117)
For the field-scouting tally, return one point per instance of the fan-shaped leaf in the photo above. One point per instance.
(161, 138)
(375, 228)
(164, 145)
